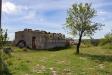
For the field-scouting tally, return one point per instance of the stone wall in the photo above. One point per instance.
(39, 39)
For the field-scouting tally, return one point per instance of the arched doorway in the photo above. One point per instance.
(21, 44)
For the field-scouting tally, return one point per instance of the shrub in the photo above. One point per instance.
(86, 43)
(7, 50)
(107, 46)
(3, 43)
(83, 45)
(106, 42)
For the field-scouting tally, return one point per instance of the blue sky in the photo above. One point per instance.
(50, 15)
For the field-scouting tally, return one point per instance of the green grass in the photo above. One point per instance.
(91, 61)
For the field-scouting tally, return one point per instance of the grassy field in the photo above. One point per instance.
(91, 61)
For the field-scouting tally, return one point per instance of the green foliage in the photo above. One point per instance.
(86, 44)
(79, 21)
(106, 42)
(3, 42)
(107, 46)
(107, 39)
(3, 38)
(90, 43)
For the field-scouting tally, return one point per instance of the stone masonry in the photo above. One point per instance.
(39, 39)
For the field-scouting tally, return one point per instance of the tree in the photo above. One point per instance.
(79, 21)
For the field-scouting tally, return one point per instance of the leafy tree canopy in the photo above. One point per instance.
(80, 19)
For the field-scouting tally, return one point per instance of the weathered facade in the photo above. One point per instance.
(39, 39)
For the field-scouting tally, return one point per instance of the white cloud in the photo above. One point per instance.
(9, 7)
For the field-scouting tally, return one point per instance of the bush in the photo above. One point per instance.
(3, 66)
(7, 50)
(106, 42)
(3, 43)
(86, 43)
(107, 46)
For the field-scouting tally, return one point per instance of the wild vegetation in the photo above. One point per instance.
(91, 61)
(3, 56)
(106, 42)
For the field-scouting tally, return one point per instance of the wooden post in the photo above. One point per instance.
(1, 65)
(0, 13)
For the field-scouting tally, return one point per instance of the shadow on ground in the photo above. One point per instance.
(101, 58)
(59, 48)
(52, 49)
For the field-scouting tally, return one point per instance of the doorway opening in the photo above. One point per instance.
(33, 42)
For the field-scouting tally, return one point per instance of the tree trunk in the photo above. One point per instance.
(79, 43)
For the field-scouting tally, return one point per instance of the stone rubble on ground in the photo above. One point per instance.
(39, 68)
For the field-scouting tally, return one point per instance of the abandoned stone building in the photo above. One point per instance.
(39, 39)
